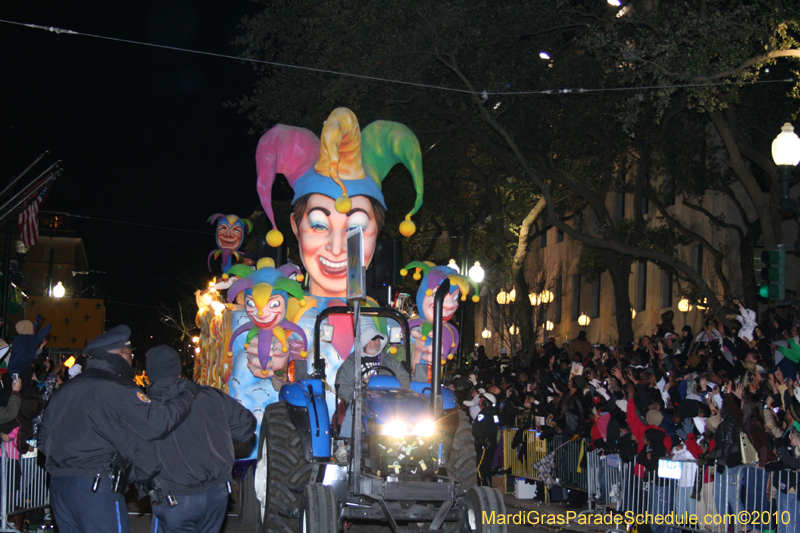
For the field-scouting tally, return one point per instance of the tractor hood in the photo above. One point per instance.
(402, 405)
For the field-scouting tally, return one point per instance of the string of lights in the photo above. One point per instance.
(483, 94)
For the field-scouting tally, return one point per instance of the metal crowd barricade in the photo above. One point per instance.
(23, 486)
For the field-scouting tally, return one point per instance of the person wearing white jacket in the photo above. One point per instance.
(475, 403)
(747, 318)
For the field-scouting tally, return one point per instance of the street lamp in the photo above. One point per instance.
(684, 306)
(59, 290)
(452, 264)
(584, 320)
(633, 313)
(786, 154)
(534, 298)
(486, 334)
(546, 297)
(476, 272)
(549, 326)
(502, 297)
(514, 330)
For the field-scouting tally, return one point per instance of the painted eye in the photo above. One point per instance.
(275, 303)
(250, 303)
(357, 219)
(317, 221)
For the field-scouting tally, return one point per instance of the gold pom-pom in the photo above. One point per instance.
(463, 297)
(343, 204)
(274, 238)
(407, 227)
(303, 354)
(476, 298)
(225, 276)
(393, 350)
(300, 278)
(403, 272)
(265, 262)
(428, 292)
(303, 302)
(284, 349)
(449, 357)
(230, 354)
(417, 276)
(247, 345)
(423, 338)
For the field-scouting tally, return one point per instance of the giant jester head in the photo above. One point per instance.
(231, 231)
(266, 296)
(432, 276)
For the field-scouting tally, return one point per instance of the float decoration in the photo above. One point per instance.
(432, 276)
(230, 233)
(267, 293)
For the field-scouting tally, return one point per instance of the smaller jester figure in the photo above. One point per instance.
(432, 276)
(230, 234)
(266, 300)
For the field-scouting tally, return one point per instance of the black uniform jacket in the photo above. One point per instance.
(198, 455)
(101, 411)
(485, 426)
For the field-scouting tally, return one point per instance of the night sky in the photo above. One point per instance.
(142, 133)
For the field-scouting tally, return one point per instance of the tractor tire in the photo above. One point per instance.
(482, 500)
(462, 465)
(320, 512)
(249, 507)
(281, 472)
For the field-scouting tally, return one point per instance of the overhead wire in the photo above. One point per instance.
(484, 94)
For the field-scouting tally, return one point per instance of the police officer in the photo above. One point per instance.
(88, 430)
(188, 473)
(484, 431)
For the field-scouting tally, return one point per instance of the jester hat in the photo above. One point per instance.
(432, 276)
(264, 283)
(347, 162)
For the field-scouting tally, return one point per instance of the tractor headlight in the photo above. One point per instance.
(397, 428)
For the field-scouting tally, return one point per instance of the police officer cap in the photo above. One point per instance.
(113, 339)
(489, 396)
(162, 362)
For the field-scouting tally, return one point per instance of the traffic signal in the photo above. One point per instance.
(773, 275)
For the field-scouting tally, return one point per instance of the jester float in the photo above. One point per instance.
(230, 233)
(337, 186)
(432, 276)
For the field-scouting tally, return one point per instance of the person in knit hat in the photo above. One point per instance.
(192, 465)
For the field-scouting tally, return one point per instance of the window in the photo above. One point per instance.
(559, 236)
(557, 302)
(576, 296)
(697, 258)
(619, 206)
(594, 312)
(641, 286)
(666, 288)
(544, 239)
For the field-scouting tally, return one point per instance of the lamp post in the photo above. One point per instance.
(505, 298)
(786, 154)
(475, 273)
(684, 306)
(59, 290)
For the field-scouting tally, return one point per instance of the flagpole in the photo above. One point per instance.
(6, 279)
(21, 175)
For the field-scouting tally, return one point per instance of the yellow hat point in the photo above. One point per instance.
(303, 302)
(300, 278)
(274, 238)
(265, 262)
(403, 272)
(343, 204)
(393, 350)
(407, 227)
(476, 298)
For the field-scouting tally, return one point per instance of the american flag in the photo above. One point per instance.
(28, 220)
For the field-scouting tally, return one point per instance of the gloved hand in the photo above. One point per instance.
(473, 379)
(720, 468)
(191, 386)
(600, 389)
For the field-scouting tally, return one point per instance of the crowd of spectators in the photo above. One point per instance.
(708, 396)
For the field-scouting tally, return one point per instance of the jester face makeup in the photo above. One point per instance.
(229, 237)
(322, 234)
(265, 311)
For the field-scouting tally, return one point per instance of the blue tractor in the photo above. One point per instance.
(410, 462)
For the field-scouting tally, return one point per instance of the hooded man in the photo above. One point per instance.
(88, 432)
(372, 357)
(188, 477)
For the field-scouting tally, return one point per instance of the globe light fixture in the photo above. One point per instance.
(633, 313)
(615, 3)
(584, 320)
(452, 264)
(546, 297)
(549, 326)
(544, 55)
(476, 272)
(502, 297)
(514, 330)
(684, 306)
(534, 298)
(486, 334)
(512, 296)
(786, 154)
(59, 290)
(195, 339)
